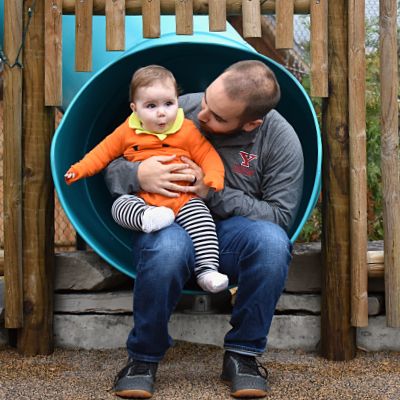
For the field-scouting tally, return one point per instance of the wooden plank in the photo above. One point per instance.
(151, 18)
(338, 337)
(184, 17)
(200, 7)
(376, 257)
(53, 53)
(217, 15)
(83, 35)
(390, 158)
(319, 48)
(284, 24)
(36, 337)
(12, 162)
(115, 25)
(251, 18)
(358, 164)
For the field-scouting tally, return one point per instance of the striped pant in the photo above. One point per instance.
(194, 217)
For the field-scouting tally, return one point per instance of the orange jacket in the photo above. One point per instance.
(188, 142)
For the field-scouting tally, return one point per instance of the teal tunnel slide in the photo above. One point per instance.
(96, 103)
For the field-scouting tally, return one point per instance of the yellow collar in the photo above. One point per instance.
(135, 123)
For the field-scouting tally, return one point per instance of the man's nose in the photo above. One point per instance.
(203, 116)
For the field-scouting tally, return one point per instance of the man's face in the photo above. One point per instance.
(219, 114)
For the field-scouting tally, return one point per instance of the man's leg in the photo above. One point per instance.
(256, 255)
(164, 261)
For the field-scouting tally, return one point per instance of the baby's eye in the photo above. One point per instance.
(168, 103)
(151, 106)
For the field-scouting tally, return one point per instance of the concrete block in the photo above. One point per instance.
(85, 270)
(295, 302)
(377, 336)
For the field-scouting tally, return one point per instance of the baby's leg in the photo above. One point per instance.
(131, 211)
(196, 219)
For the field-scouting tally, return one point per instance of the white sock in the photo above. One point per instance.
(213, 282)
(156, 218)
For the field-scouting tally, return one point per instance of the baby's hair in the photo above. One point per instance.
(147, 76)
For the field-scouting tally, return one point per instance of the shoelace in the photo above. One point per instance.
(138, 368)
(250, 365)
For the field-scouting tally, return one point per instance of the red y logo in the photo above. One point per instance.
(247, 158)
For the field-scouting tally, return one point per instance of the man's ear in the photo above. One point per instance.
(252, 125)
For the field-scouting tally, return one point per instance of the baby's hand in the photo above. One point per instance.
(70, 175)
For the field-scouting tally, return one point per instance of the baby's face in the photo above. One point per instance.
(156, 106)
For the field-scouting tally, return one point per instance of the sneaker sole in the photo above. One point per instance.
(246, 392)
(134, 394)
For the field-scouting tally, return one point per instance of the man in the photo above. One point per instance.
(263, 163)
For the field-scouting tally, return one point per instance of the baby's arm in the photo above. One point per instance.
(97, 159)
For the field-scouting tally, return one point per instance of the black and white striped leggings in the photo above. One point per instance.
(194, 217)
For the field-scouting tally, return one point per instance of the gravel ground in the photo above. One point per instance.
(191, 371)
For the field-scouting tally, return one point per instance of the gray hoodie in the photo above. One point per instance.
(264, 170)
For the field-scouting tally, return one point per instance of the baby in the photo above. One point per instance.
(157, 127)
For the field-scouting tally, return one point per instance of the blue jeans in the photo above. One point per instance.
(254, 255)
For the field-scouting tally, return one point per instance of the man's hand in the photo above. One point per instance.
(155, 177)
(198, 186)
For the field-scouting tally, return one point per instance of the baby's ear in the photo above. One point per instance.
(133, 107)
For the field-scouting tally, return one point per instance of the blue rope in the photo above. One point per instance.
(17, 62)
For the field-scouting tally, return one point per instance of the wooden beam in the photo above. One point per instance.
(12, 162)
(115, 25)
(390, 158)
(338, 337)
(251, 19)
(184, 17)
(358, 164)
(83, 35)
(217, 15)
(36, 337)
(200, 7)
(284, 24)
(53, 53)
(151, 19)
(319, 48)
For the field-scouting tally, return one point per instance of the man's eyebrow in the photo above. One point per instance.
(212, 112)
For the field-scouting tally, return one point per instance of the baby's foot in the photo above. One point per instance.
(156, 218)
(213, 282)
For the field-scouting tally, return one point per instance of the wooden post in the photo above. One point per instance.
(390, 159)
(151, 19)
(251, 18)
(53, 53)
(338, 337)
(13, 166)
(184, 17)
(358, 164)
(200, 7)
(217, 15)
(284, 24)
(319, 48)
(36, 337)
(115, 25)
(83, 35)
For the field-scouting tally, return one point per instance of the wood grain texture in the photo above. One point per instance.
(217, 12)
(115, 25)
(151, 18)
(83, 35)
(200, 7)
(390, 158)
(53, 53)
(184, 17)
(358, 164)
(319, 48)
(36, 337)
(338, 337)
(251, 18)
(12, 163)
(284, 24)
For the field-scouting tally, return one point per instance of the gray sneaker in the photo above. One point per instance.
(244, 374)
(136, 379)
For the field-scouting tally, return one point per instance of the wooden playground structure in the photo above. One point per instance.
(31, 94)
